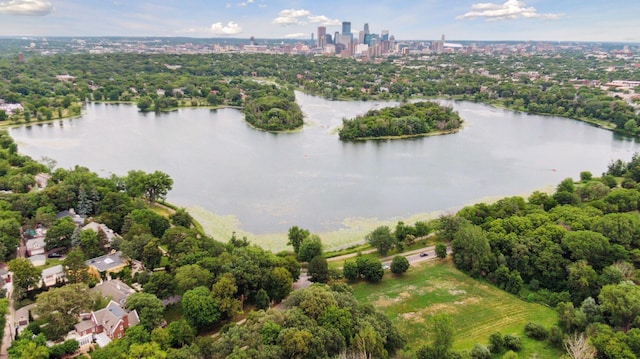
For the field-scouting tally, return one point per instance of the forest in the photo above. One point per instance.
(568, 84)
(409, 120)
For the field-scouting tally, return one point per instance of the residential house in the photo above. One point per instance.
(106, 324)
(77, 218)
(36, 246)
(38, 260)
(114, 290)
(102, 266)
(97, 227)
(53, 275)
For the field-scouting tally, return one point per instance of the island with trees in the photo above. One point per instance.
(408, 120)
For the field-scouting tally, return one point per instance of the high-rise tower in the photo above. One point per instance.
(366, 28)
(322, 38)
(346, 28)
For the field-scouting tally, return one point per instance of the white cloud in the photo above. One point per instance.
(511, 9)
(250, 1)
(291, 17)
(229, 5)
(26, 7)
(296, 35)
(231, 28)
(323, 20)
(242, 4)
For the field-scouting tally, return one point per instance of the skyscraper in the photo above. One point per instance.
(322, 32)
(384, 35)
(346, 28)
(366, 28)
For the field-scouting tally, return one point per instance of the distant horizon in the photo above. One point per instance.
(499, 20)
(39, 37)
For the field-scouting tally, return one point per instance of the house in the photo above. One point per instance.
(35, 246)
(38, 260)
(108, 263)
(115, 290)
(106, 324)
(97, 227)
(52, 275)
(77, 218)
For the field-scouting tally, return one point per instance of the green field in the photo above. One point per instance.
(477, 308)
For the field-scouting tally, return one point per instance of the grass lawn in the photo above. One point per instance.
(477, 308)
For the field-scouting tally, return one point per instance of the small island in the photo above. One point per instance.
(271, 108)
(409, 120)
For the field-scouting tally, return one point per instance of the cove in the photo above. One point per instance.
(309, 178)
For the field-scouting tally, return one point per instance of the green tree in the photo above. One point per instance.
(59, 235)
(350, 270)
(279, 283)
(318, 270)
(144, 103)
(181, 218)
(60, 308)
(399, 265)
(309, 248)
(471, 250)
(199, 308)
(441, 250)
(620, 304)
(223, 292)
(75, 268)
(296, 236)
(262, 299)
(381, 239)
(161, 284)
(149, 308)
(443, 332)
(191, 276)
(181, 333)
(25, 276)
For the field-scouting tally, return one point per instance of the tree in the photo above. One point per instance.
(199, 308)
(181, 218)
(191, 276)
(441, 250)
(369, 268)
(310, 248)
(60, 308)
(59, 235)
(25, 276)
(262, 300)
(279, 283)
(149, 308)
(471, 250)
(578, 347)
(144, 103)
(443, 333)
(381, 239)
(318, 270)
(161, 284)
(224, 292)
(75, 268)
(620, 304)
(154, 186)
(296, 236)
(181, 333)
(399, 265)
(350, 270)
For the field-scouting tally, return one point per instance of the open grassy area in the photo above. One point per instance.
(477, 308)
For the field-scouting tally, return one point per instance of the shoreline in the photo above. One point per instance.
(351, 233)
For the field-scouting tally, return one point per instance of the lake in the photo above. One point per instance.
(269, 182)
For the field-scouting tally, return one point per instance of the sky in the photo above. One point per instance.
(493, 20)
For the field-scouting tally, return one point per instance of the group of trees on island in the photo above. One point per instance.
(557, 88)
(408, 120)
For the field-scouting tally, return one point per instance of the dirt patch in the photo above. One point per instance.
(470, 300)
(439, 308)
(413, 316)
(454, 291)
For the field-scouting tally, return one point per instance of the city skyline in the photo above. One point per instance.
(543, 20)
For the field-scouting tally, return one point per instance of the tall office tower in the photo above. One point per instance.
(361, 35)
(328, 39)
(322, 32)
(312, 37)
(366, 28)
(384, 35)
(336, 38)
(346, 28)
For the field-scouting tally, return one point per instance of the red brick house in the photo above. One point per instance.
(111, 321)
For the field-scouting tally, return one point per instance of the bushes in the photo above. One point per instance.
(535, 331)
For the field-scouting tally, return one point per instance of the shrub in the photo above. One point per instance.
(585, 176)
(496, 343)
(535, 331)
(479, 351)
(512, 342)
